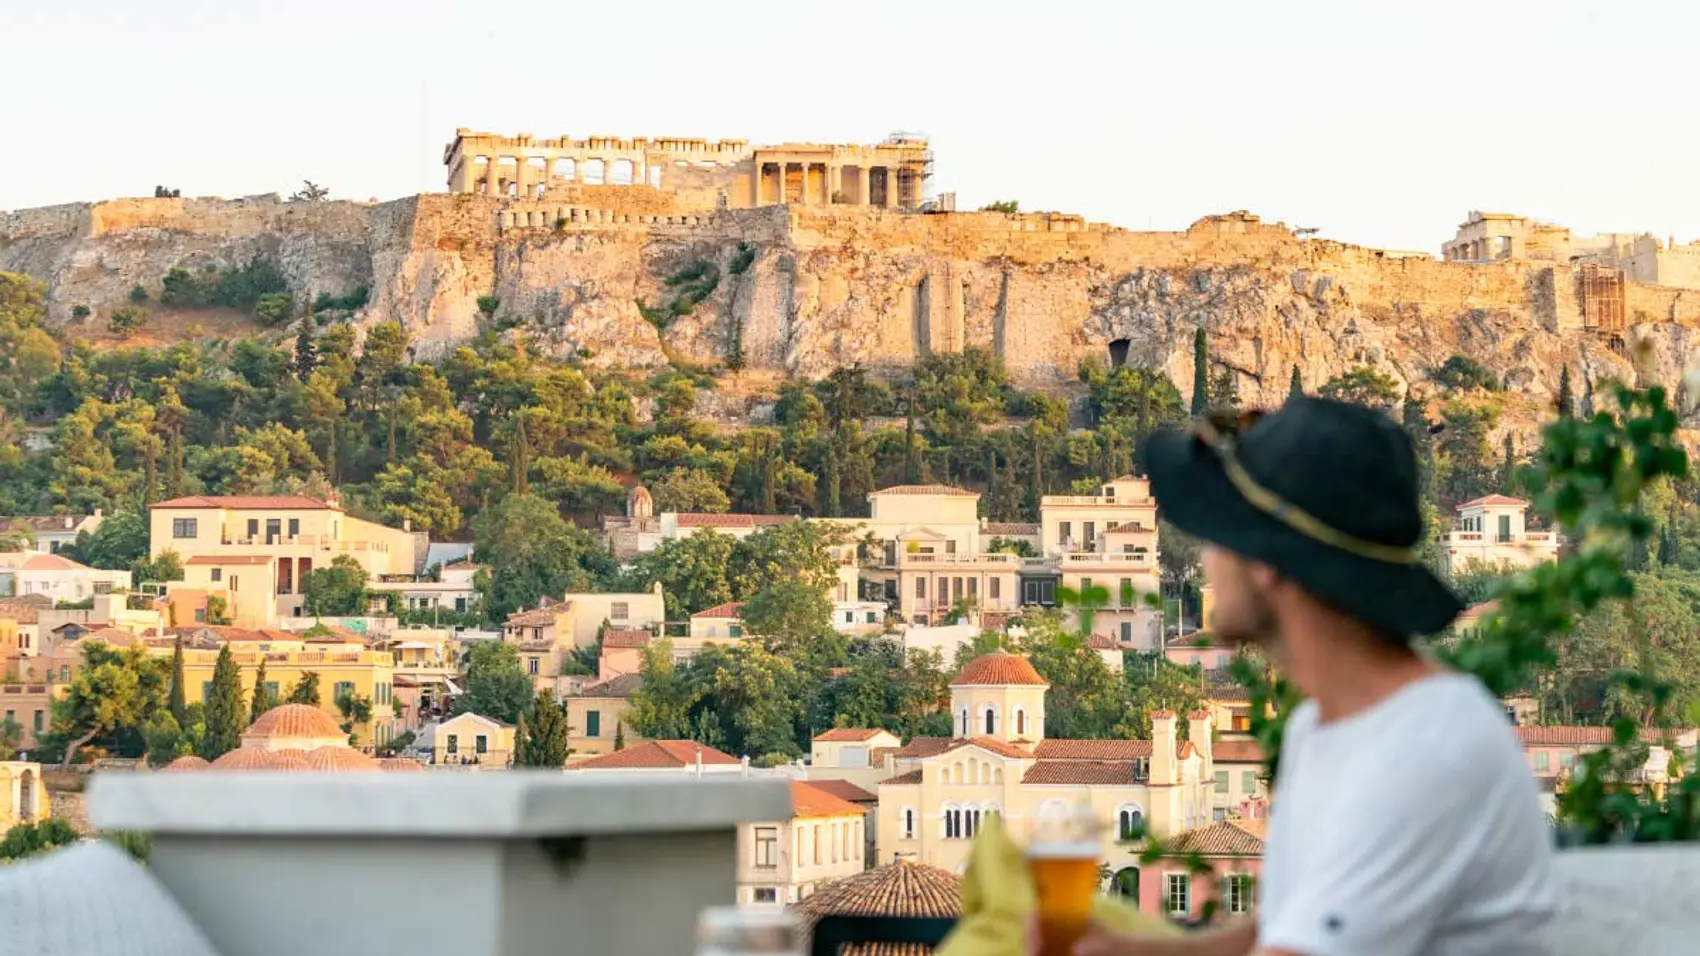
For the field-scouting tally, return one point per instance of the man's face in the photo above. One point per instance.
(1243, 613)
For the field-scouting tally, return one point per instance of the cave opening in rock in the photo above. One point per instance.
(1118, 353)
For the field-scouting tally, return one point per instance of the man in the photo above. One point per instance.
(1405, 821)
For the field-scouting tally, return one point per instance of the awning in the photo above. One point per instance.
(451, 686)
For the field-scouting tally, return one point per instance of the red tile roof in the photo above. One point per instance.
(1530, 736)
(625, 638)
(925, 490)
(265, 502)
(294, 720)
(229, 559)
(1054, 749)
(904, 888)
(1237, 751)
(1494, 500)
(998, 669)
(657, 754)
(924, 747)
(808, 800)
(1082, 772)
(1223, 838)
(625, 685)
(849, 734)
(1017, 528)
(21, 613)
(845, 790)
(730, 609)
(42, 522)
(689, 519)
(52, 562)
(537, 616)
(902, 780)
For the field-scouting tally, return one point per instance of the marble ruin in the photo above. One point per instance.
(726, 174)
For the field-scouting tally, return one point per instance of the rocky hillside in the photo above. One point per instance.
(801, 290)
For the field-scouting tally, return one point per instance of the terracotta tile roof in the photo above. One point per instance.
(877, 755)
(731, 609)
(1082, 772)
(1017, 528)
(625, 685)
(1228, 693)
(690, 519)
(52, 562)
(997, 620)
(112, 637)
(1198, 715)
(224, 633)
(217, 560)
(1054, 749)
(997, 669)
(294, 720)
(924, 747)
(1223, 838)
(401, 764)
(902, 780)
(21, 613)
(402, 680)
(657, 754)
(1237, 751)
(536, 617)
(904, 888)
(1197, 639)
(41, 522)
(845, 790)
(1162, 715)
(340, 760)
(1530, 736)
(243, 758)
(267, 502)
(925, 490)
(849, 734)
(184, 764)
(808, 800)
(337, 634)
(290, 758)
(625, 638)
(1494, 500)
(1100, 642)
(995, 746)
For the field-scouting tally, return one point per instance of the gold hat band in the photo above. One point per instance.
(1292, 515)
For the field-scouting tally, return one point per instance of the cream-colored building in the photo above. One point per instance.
(1491, 532)
(1109, 540)
(783, 861)
(851, 747)
(1001, 762)
(472, 739)
(49, 534)
(23, 795)
(596, 716)
(451, 590)
(927, 554)
(1642, 257)
(58, 578)
(288, 535)
(545, 635)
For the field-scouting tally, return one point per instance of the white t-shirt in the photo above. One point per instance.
(1410, 829)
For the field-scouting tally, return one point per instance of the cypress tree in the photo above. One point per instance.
(1036, 481)
(546, 739)
(519, 468)
(226, 716)
(1667, 547)
(1200, 372)
(911, 457)
(522, 742)
(179, 706)
(1297, 386)
(619, 735)
(1508, 470)
(306, 353)
(833, 507)
(1566, 396)
(262, 701)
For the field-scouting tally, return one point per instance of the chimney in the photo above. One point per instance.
(699, 760)
(1199, 728)
(407, 524)
(746, 764)
(70, 522)
(1164, 769)
(97, 512)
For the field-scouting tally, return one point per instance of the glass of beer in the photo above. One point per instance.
(1062, 855)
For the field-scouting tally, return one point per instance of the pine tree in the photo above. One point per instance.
(226, 716)
(547, 736)
(179, 706)
(1297, 386)
(262, 700)
(306, 690)
(619, 735)
(306, 353)
(1566, 398)
(1200, 371)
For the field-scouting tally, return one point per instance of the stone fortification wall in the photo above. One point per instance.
(805, 289)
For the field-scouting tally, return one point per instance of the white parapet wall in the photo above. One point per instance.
(1629, 901)
(279, 864)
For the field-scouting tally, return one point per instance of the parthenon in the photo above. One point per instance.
(722, 173)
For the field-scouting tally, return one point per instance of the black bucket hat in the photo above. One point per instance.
(1324, 492)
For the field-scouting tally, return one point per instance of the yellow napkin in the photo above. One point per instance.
(997, 897)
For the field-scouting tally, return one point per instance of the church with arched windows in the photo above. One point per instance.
(1000, 761)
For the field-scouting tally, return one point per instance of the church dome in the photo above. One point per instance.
(243, 758)
(400, 765)
(342, 759)
(184, 765)
(289, 758)
(294, 720)
(998, 669)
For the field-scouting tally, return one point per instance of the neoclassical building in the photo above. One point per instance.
(1001, 762)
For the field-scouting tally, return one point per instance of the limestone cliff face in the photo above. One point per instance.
(803, 290)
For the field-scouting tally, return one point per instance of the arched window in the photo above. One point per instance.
(964, 723)
(1020, 722)
(1130, 822)
(990, 720)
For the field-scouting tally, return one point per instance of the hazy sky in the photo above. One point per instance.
(1379, 123)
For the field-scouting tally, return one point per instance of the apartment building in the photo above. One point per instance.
(1492, 532)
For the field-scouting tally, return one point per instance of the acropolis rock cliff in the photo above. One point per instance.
(826, 286)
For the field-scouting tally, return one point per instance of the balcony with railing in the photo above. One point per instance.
(996, 561)
(1099, 559)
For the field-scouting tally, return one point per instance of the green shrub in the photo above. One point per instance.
(127, 320)
(138, 294)
(274, 308)
(353, 300)
(1462, 372)
(182, 289)
(79, 312)
(487, 305)
(743, 260)
(28, 839)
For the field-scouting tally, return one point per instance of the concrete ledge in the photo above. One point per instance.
(511, 804)
(1628, 901)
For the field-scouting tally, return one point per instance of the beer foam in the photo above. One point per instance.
(1063, 850)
